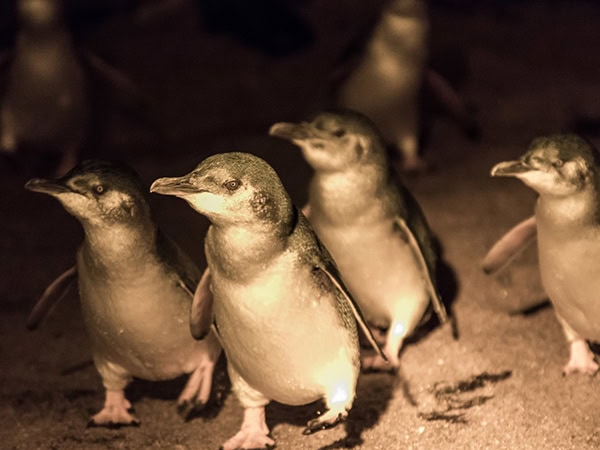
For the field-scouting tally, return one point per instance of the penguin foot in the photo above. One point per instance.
(196, 392)
(114, 418)
(375, 363)
(328, 420)
(254, 433)
(187, 408)
(116, 412)
(581, 359)
(249, 439)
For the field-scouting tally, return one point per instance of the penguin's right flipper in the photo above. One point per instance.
(323, 262)
(201, 316)
(452, 103)
(510, 245)
(426, 269)
(52, 295)
(306, 211)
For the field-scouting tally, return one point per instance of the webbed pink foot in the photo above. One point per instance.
(254, 433)
(581, 359)
(115, 412)
(196, 392)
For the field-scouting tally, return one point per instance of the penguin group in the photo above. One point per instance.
(288, 293)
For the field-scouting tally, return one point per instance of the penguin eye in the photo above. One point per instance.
(558, 163)
(232, 185)
(99, 189)
(339, 132)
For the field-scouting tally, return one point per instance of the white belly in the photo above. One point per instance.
(284, 335)
(140, 322)
(570, 274)
(379, 268)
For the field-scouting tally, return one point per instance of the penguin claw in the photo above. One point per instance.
(324, 423)
(114, 417)
(186, 408)
(376, 363)
(113, 425)
(249, 440)
(590, 368)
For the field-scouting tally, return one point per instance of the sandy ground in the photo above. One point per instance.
(498, 386)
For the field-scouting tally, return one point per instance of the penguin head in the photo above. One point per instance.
(39, 14)
(98, 192)
(232, 188)
(557, 165)
(334, 140)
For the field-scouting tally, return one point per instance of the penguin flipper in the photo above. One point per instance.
(306, 211)
(201, 316)
(180, 263)
(438, 306)
(510, 245)
(452, 103)
(51, 296)
(328, 267)
(120, 88)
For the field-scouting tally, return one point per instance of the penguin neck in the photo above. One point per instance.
(121, 244)
(347, 195)
(403, 25)
(239, 252)
(567, 212)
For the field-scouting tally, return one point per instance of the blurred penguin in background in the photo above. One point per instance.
(45, 93)
(387, 82)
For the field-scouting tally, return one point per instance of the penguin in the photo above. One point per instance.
(387, 83)
(372, 225)
(47, 99)
(285, 319)
(564, 171)
(136, 289)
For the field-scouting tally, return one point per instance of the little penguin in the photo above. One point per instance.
(387, 83)
(372, 225)
(136, 290)
(283, 315)
(46, 98)
(564, 171)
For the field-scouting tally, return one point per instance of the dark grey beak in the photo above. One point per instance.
(51, 187)
(295, 131)
(178, 186)
(510, 168)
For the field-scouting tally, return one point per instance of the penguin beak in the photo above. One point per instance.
(51, 187)
(296, 131)
(179, 186)
(510, 169)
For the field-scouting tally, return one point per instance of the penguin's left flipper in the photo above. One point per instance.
(326, 265)
(188, 275)
(510, 245)
(51, 296)
(121, 90)
(201, 313)
(438, 306)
